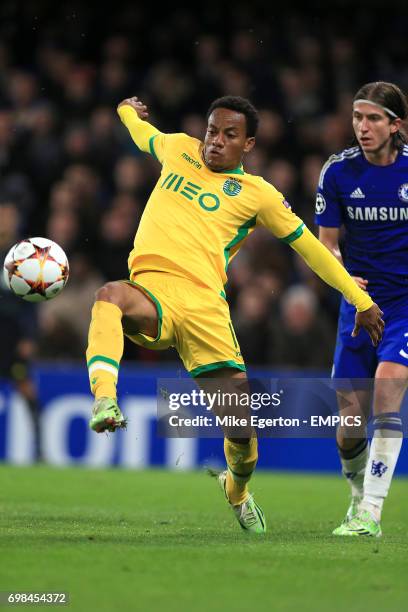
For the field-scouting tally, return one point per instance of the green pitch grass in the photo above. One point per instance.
(156, 540)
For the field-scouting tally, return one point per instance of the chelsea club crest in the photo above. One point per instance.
(403, 192)
(232, 187)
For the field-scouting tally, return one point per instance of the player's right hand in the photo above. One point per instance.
(371, 320)
(137, 104)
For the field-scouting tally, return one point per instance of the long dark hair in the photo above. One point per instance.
(389, 96)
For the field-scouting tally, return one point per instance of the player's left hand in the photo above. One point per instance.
(372, 322)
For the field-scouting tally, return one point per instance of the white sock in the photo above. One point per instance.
(384, 452)
(353, 467)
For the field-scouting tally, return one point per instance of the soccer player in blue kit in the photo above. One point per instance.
(365, 190)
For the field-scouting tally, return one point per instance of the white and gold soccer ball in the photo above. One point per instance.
(36, 269)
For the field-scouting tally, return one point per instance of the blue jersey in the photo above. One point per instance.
(372, 203)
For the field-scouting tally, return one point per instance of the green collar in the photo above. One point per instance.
(239, 170)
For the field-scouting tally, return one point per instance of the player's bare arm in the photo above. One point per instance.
(329, 236)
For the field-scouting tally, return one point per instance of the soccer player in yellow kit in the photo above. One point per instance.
(201, 210)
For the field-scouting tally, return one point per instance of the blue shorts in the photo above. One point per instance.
(357, 357)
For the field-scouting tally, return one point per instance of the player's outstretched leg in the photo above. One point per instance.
(105, 347)
(241, 460)
(104, 352)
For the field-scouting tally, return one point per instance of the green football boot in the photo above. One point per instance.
(364, 524)
(249, 515)
(351, 513)
(106, 416)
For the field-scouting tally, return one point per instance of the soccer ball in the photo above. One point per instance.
(36, 269)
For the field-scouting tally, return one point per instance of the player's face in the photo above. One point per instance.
(226, 140)
(373, 128)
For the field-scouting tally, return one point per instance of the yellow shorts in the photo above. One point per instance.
(193, 319)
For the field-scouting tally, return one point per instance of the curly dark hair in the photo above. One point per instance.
(240, 105)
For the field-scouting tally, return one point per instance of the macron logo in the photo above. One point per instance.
(192, 161)
(357, 193)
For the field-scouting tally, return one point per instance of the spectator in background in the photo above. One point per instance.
(116, 233)
(207, 57)
(68, 316)
(282, 174)
(256, 162)
(171, 89)
(79, 90)
(254, 306)
(301, 337)
(86, 186)
(44, 150)
(195, 125)
(335, 130)
(273, 136)
(114, 82)
(77, 144)
(62, 197)
(104, 136)
(63, 227)
(12, 157)
(23, 96)
(129, 176)
(250, 323)
(309, 178)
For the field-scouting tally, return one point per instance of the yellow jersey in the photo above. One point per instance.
(196, 220)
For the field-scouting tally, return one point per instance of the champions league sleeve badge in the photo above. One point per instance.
(320, 204)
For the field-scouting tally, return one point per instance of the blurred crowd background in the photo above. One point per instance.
(70, 172)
